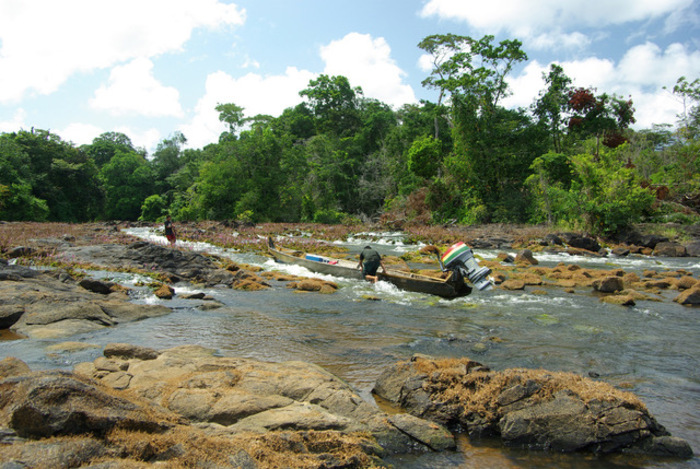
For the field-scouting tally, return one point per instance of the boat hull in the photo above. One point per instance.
(445, 288)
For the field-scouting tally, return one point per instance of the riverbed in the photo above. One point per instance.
(649, 349)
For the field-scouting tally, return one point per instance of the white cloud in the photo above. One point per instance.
(537, 19)
(80, 134)
(132, 89)
(44, 42)
(255, 93)
(367, 63)
(641, 74)
(15, 123)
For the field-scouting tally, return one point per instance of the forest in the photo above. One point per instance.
(569, 160)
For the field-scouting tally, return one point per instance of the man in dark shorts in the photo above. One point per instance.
(370, 260)
(169, 230)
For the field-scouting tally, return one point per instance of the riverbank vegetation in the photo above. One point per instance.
(569, 160)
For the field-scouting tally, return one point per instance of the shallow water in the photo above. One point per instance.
(649, 349)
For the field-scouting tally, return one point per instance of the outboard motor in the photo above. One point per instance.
(460, 257)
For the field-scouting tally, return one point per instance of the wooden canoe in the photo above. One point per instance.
(452, 286)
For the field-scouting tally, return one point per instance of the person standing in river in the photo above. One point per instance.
(370, 260)
(169, 230)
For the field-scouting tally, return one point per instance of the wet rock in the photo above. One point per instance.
(98, 286)
(44, 304)
(526, 257)
(690, 297)
(610, 284)
(686, 282)
(622, 300)
(620, 251)
(315, 285)
(669, 249)
(580, 241)
(513, 284)
(535, 409)
(164, 292)
(128, 351)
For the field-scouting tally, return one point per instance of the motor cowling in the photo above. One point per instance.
(460, 257)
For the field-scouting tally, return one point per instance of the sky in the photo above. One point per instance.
(150, 68)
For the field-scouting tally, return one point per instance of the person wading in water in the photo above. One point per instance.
(169, 230)
(370, 260)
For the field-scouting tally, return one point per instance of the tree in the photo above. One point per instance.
(472, 67)
(17, 202)
(603, 117)
(232, 115)
(128, 181)
(689, 128)
(334, 104)
(106, 145)
(552, 103)
(61, 175)
(490, 146)
(166, 162)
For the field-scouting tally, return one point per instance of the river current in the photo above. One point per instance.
(650, 349)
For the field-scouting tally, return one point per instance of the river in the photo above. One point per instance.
(650, 349)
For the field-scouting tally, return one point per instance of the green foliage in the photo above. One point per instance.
(339, 157)
(549, 186)
(153, 208)
(424, 157)
(127, 180)
(610, 195)
(328, 216)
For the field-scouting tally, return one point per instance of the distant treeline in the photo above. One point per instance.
(338, 157)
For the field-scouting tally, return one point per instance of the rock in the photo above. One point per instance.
(513, 284)
(580, 241)
(692, 249)
(669, 249)
(47, 305)
(686, 282)
(620, 251)
(98, 286)
(19, 251)
(622, 300)
(233, 395)
(527, 408)
(611, 284)
(690, 297)
(58, 403)
(128, 351)
(11, 366)
(315, 285)
(164, 292)
(525, 257)
(9, 315)
(435, 437)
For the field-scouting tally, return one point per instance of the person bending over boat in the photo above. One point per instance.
(370, 260)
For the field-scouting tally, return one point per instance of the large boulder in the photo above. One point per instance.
(527, 408)
(580, 241)
(51, 304)
(185, 407)
(231, 395)
(669, 249)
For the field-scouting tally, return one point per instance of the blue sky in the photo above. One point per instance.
(148, 68)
